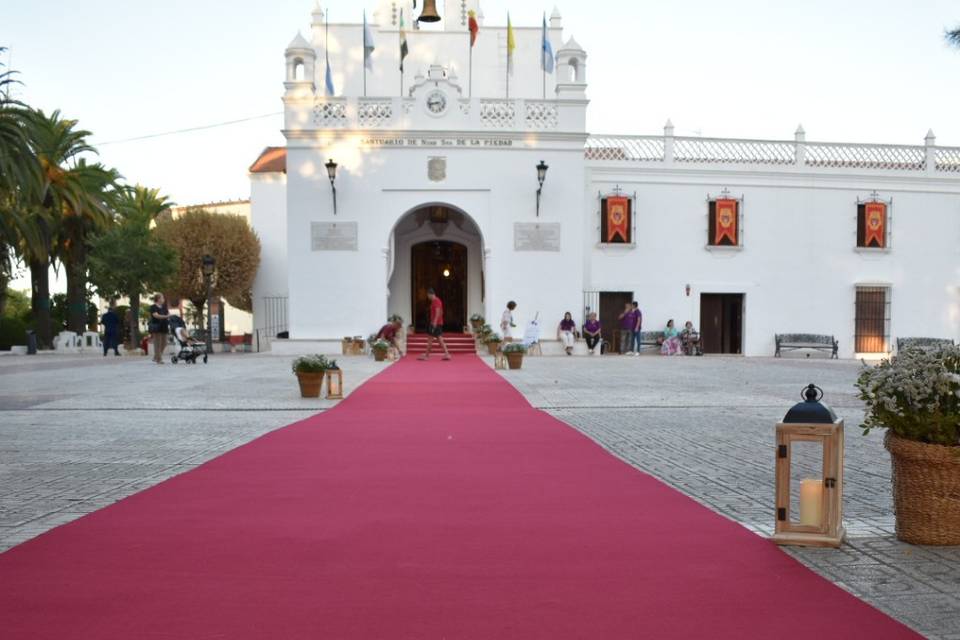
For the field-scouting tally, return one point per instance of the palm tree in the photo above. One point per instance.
(141, 206)
(97, 189)
(18, 171)
(57, 144)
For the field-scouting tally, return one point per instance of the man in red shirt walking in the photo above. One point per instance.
(435, 330)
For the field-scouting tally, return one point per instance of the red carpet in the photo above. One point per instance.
(433, 503)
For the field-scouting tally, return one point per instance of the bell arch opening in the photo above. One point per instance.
(435, 246)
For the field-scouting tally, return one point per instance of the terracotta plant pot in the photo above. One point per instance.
(310, 384)
(492, 347)
(379, 355)
(926, 491)
(514, 359)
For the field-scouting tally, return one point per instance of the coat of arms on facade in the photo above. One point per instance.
(437, 169)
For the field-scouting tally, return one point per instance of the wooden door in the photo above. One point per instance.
(442, 266)
(611, 306)
(721, 322)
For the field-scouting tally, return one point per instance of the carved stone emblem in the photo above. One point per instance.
(437, 169)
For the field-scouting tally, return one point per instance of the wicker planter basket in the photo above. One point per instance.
(310, 384)
(926, 491)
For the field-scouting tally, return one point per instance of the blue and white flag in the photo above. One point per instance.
(368, 45)
(329, 79)
(546, 50)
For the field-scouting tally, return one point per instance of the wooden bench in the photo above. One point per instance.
(650, 339)
(922, 343)
(794, 341)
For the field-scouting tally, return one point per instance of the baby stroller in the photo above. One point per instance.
(189, 350)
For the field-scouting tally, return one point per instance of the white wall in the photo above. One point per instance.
(268, 217)
(798, 266)
(337, 293)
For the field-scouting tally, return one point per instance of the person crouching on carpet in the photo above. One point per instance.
(435, 330)
(389, 332)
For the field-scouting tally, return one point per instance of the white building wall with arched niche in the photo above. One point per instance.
(452, 141)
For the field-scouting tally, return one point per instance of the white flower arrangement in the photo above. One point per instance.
(916, 395)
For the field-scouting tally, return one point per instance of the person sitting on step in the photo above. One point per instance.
(567, 333)
(591, 332)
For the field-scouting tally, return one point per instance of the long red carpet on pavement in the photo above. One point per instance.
(434, 503)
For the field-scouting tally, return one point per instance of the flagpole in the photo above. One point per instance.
(470, 83)
(363, 44)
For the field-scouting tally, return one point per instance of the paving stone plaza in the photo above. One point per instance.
(77, 434)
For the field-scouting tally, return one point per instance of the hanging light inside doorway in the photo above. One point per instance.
(446, 272)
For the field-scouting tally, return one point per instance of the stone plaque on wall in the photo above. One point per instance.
(536, 236)
(333, 236)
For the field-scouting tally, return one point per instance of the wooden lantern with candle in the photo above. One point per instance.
(818, 520)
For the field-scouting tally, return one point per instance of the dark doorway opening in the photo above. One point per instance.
(442, 266)
(611, 306)
(721, 322)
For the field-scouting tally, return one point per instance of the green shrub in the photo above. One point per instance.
(13, 331)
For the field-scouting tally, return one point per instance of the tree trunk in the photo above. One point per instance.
(40, 301)
(134, 321)
(77, 289)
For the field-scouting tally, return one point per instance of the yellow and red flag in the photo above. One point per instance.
(474, 26)
(875, 219)
(726, 225)
(618, 219)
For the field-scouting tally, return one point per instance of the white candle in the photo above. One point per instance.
(811, 501)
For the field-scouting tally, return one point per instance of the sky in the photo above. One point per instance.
(851, 71)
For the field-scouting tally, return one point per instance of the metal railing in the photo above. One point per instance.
(275, 322)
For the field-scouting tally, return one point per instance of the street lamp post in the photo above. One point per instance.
(208, 266)
(332, 175)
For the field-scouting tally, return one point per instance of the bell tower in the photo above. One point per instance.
(301, 67)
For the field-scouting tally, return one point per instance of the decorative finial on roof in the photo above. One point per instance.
(299, 42)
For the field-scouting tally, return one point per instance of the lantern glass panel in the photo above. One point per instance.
(806, 483)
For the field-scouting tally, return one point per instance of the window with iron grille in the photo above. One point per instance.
(872, 320)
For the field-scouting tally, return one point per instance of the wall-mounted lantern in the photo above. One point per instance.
(541, 177)
(332, 174)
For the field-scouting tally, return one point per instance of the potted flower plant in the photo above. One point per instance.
(514, 352)
(380, 349)
(915, 396)
(476, 322)
(492, 341)
(309, 371)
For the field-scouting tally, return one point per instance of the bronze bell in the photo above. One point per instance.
(429, 13)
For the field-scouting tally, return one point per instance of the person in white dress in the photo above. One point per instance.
(506, 322)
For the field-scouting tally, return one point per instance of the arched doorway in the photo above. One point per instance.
(438, 247)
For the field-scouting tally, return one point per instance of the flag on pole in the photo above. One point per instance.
(328, 76)
(474, 26)
(403, 41)
(511, 45)
(368, 45)
(546, 56)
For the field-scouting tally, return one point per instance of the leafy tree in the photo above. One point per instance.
(231, 242)
(128, 258)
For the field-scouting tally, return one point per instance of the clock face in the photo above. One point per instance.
(436, 102)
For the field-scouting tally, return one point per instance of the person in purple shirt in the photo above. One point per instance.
(567, 333)
(637, 327)
(591, 332)
(627, 323)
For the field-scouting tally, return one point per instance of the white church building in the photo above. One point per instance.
(437, 184)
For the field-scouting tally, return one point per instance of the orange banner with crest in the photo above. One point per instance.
(875, 225)
(726, 221)
(618, 219)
